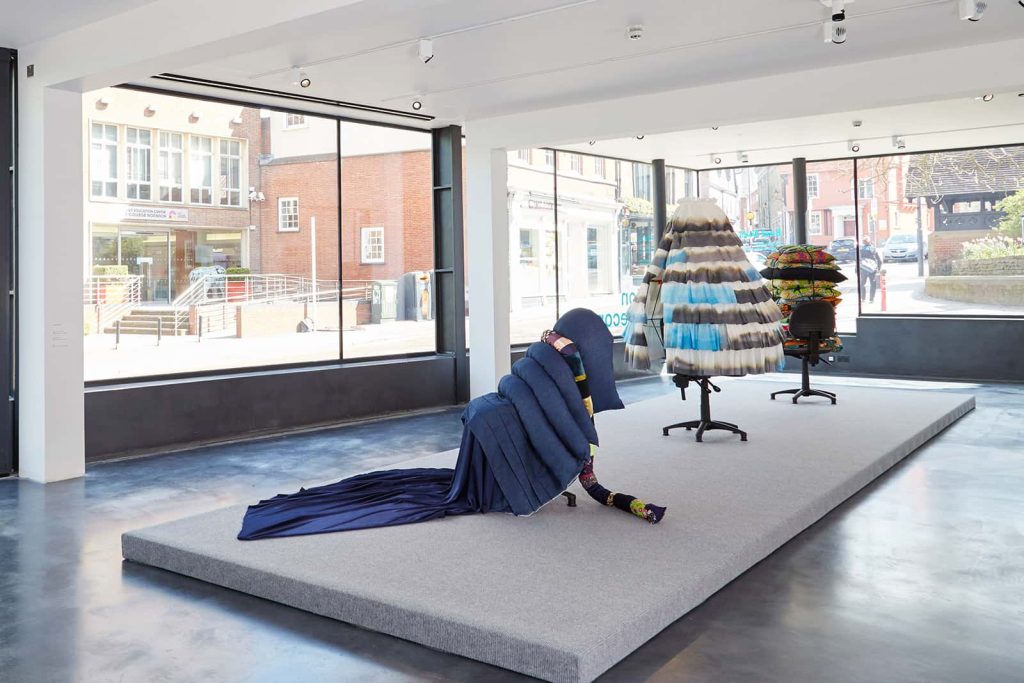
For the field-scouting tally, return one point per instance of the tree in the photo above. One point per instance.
(1013, 210)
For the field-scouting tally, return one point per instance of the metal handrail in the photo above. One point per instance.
(95, 292)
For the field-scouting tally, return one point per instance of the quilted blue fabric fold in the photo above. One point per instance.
(521, 447)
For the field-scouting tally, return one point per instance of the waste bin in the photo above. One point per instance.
(415, 299)
(383, 304)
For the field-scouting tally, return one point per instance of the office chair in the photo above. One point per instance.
(813, 321)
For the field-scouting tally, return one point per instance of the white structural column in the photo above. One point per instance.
(51, 403)
(487, 249)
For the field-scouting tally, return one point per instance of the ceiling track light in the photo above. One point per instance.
(635, 32)
(834, 32)
(971, 10)
(426, 50)
(898, 142)
(854, 146)
(742, 157)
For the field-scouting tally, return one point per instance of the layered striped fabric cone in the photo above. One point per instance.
(704, 300)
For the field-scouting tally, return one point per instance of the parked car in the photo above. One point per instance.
(901, 248)
(756, 258)
(844, 249)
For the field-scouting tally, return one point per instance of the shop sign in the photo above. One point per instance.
(154, 213)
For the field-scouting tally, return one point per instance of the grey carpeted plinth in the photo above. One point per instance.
(566, 593)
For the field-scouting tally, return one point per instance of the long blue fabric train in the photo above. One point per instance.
(521, 447)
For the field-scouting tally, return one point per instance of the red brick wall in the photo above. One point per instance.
(392, 191)
(944, 247)
(315, 183)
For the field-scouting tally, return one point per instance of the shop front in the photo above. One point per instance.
(164, 257)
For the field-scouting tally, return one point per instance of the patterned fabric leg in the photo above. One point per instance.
(647, 511)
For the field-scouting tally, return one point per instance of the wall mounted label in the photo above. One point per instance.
(154, 213)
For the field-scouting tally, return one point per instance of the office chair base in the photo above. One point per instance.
(705, 426)
(803, 392)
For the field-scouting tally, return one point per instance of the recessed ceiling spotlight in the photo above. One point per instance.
(971, 10)
(715, 159)
(898, 142)
(300, 78)
(714, 127)
(417, 105)
(854, 146)
(635, 32)
(592, 143)
(987, 97)
(639, 137)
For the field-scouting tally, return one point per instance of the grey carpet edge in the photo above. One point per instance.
(497, 649)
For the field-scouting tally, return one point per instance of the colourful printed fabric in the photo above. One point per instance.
(815, 275)
(702, 305)
(587, 478)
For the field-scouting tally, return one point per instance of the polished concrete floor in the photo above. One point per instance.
(917, 578)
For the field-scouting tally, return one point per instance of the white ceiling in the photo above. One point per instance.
(26, 21)
(496, 58)
(962, 122)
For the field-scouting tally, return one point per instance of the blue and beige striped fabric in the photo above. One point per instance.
(703, 302)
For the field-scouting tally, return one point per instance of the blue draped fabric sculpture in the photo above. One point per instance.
(521, 447)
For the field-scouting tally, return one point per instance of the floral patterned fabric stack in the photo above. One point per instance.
(799, 273)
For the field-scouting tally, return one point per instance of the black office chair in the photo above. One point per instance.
(814, 321)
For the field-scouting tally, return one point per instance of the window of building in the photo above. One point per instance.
(642, 181)
(138, 163)
(575, 163)
(103, 160)
(230, 173)
(200, 169)
(371, 245)
(814, 223)
(812, 186)
(523, 155)
(671, 192)
(171, 166)
(288, 214)
(294, 121)
(549, 157)
(599, 166)
(866, 188)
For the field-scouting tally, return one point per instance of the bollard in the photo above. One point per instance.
(117, 334)
(159, 330)
(881, 287)
(200, 329)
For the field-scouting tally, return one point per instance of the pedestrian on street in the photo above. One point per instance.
(870, 269)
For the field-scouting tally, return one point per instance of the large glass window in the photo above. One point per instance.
(532, 248)
(387, 216)
(757, 200)
(947, 228)
(103, 164)
(832, 224)
(595, 254)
